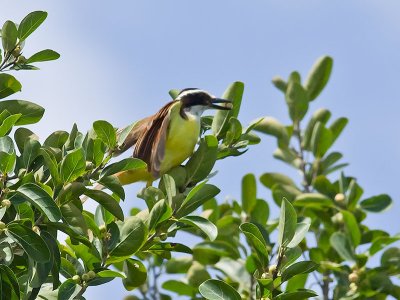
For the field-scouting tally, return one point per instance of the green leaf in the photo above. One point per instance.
(31, 151)
(70, 143)
(249, 192)
(9, 34)
(321, 140)
(136, 274)
(340, 242)
(301, 231)
(95, 151)
(320, 115)
(9, 288)
(6, 145)
(391, 258)
(297, 282)
(270, 179)
(74, 218)
(110, 273)
(197, 197)
(31, 112)
(8, 86)
(324, 186)
(279, 83)
(287, 223)
(51, 163)
(260, 213)
(203, 224)
(297, 101)
(55, 260)
(21, 135)
(105, 132)
(280, 191)
(30, 23)
(352, 228)
(68, 290)
(174, 93)
(337, 127)
(213, 289)
(133, 235)
(160, 212)
(377, 203)
(179, 287)
(44, 55)
(73, 165)
(8, 123)
(256, 239)
(221, 119)
(107, 201)
(301, 267)
(211, 252)
(123, 165)
(57, 139)
(113, 184)
(7, 162)
(32, 243)
(71, 191)
(271, 126)
(382, 242)
(234, 132)
(291, 255)
(318, 76)
(167, 185)
(313, 200)
(297, 295)
(178, 265)
(89, 255)
(68, 231)
(202, 161)
(160, 248)
(41, 200)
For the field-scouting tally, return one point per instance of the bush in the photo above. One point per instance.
(319, 231)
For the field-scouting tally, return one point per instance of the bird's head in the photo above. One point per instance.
(196, 101)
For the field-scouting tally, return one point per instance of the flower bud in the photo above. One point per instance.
(353, 277)
(21, 59)
(339, 198)
(16, 51)
(272, 269)
(91, 274)
(36, 229)
(85, 277)
(76, 278)
(6, 203)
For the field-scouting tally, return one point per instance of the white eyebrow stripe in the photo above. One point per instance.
(189, 92)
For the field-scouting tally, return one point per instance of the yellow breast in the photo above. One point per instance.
(181, 139)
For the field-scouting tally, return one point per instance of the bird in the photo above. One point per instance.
(167, 138)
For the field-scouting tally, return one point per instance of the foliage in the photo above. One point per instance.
(44, 185)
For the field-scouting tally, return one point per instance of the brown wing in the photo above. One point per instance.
(137, 130)
(150, 147)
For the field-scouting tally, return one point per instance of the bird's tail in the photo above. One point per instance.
(132, 176)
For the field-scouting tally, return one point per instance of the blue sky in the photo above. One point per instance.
(119, 59)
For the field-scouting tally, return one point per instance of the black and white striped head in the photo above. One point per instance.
(196, 101)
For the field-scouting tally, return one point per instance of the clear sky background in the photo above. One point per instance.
(120, 58)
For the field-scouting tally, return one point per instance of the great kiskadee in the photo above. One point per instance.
(167, 138)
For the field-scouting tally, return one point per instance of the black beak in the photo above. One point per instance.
(227, 104)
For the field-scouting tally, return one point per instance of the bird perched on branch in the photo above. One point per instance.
(167, 138)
